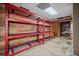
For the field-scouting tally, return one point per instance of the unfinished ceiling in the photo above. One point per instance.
(63, 9)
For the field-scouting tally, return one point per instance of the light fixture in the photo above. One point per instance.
(51, 11)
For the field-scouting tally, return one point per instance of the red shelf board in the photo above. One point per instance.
(46, 31)
(23, 22)
(21, 44)
(23, 49)
(26, 22)
(23, 35)
(18, 8)
(27, 47)
(28, 42)
(48, 25)
(21, 10)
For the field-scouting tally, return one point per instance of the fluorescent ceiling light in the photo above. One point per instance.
(51, 11)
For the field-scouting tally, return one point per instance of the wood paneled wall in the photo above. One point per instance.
(76, 28)
(61, 20)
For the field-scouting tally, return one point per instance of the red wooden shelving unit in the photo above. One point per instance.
(9, 37)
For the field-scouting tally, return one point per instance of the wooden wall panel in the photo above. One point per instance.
(63, 20)
(2, 28)
(76, 28)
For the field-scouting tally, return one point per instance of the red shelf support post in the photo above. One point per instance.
(6, 31)
(49, 30)
(38, 31)
(43, 31)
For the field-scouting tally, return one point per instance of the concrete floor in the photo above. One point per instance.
(59, 46)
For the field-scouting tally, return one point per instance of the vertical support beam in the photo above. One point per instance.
(49, 30)
(38, 31)
(43, 31)
(6, 31)
(12, 50)
(75, 33)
